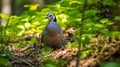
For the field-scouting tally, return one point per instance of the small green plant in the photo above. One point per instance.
(51, 62)
(4, 54)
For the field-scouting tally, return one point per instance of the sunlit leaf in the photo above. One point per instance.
(104, 21)
(86, 53)
(32, 7)
(75, 2)
(21, 27)
(27, 25)
(110, 23)
(78, 19)
(99, 25)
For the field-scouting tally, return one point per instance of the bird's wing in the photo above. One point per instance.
(44, 33)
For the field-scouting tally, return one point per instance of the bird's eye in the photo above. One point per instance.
(50, 15)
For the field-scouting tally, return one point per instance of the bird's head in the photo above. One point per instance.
(51, 17)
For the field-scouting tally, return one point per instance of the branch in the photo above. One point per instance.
(81, 31)
(23, 61)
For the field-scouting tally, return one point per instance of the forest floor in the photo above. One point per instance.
(28, 56)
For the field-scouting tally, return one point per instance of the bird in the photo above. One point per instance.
(52, 35)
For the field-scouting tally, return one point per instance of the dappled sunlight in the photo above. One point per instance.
(32, 6)
(63, 18)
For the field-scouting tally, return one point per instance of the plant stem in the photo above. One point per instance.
(81, 32)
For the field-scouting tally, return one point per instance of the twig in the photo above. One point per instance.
(1, 37)
(7, 24)
(2, 30)
(81, 31)
(36, 45)
(23, 61)
(25, 48)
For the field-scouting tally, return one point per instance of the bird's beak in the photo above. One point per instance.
(46, 17)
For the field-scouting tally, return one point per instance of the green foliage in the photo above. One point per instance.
(117, 18)
(45, 50)
(50, 62)
(32, 7)
(115, 34)
(72, 45)
(4, 62)
(110, 64)
(109, 2)
(3, 55)
(86, 53)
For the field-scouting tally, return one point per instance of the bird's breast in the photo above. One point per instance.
(53, 29)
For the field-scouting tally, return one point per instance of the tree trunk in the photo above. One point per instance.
(117, 13)
(5, 10)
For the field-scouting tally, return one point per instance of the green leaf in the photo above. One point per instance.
(7, 52)
(86, 53)
(27, 25)
(4, 62)
(32, 7)
(32, 41)
(110, 64)
(109, 2)
(78, 19)
(115, 34)
(75, 2)
(110, 23)
(99, 25)
(91, 12)
(86, 41)
(105, 31)
(46, 49)
(78, 31)
(21, 27)
(104, 21)
(92, 1)
(50, 65)
(117, 18)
